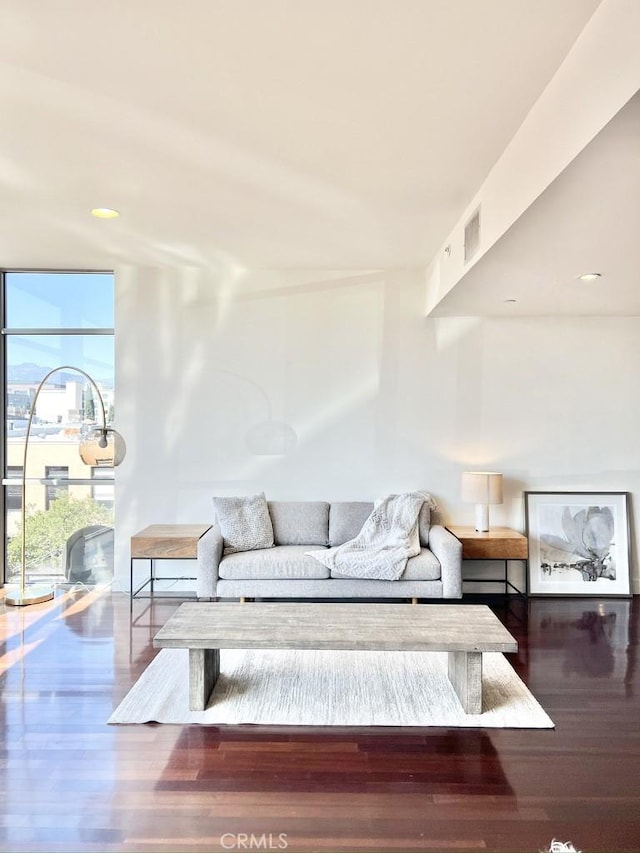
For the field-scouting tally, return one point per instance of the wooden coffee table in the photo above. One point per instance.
(464, 631)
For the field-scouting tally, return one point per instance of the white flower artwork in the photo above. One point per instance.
(578, 543)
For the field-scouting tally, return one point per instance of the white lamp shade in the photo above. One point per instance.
(482, 487)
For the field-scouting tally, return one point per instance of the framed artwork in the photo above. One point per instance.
(578, 543)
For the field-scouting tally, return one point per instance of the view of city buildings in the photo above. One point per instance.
(54, 466)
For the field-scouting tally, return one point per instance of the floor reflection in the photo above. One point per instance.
(594, 636)
(589, 650)
(282, 759)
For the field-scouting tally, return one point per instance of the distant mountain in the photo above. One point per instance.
(31, 374)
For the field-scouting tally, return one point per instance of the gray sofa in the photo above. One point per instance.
(285, 571)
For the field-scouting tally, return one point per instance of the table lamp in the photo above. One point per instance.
(482, 488)
(103, 447)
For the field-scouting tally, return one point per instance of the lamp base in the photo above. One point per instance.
(482, 518)
(34, 594)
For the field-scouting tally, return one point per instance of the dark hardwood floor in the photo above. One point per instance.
(72, 783)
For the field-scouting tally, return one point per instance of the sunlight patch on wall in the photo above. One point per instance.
(450, 330)
(318, 422)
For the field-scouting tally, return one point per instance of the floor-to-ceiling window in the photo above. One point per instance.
(56, 320)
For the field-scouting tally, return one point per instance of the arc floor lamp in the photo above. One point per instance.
(103, 447)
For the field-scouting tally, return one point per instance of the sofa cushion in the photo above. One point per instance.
(300, 522)
(280, 563)
(423, 567)
(244, 522)
(346, 519)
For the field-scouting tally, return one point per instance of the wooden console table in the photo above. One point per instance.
(164, 542)
(499, 543)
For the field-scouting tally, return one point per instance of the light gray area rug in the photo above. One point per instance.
(329, 688)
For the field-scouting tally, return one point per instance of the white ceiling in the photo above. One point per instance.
(587, 220)
(260, 133)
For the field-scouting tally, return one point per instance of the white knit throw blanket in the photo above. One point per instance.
(389, 537)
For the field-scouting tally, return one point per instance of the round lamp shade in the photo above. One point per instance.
(103, 448)
(482, 487)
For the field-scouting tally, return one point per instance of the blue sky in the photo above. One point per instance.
(61, 301)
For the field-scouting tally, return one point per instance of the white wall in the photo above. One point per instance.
(381, 398)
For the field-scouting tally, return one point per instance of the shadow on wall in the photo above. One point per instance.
(268, 437)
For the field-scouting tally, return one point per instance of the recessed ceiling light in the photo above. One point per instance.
(510, 300)
(590, 276)
(105, 212)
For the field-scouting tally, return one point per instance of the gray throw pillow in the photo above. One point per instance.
(244, 522)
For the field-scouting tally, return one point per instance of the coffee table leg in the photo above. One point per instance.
(465, 673)
(204, 669)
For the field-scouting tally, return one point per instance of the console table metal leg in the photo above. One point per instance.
(465, 673)
(204, 669)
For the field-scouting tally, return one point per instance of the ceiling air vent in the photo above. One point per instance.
(472, 236)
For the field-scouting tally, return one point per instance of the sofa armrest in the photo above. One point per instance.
(209, 554)
(448, 551)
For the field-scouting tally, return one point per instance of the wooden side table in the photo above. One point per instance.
(499, 543)
(164, 542)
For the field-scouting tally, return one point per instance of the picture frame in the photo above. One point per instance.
(579, 544)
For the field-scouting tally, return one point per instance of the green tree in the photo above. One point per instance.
(48, 530)
(89, 405)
